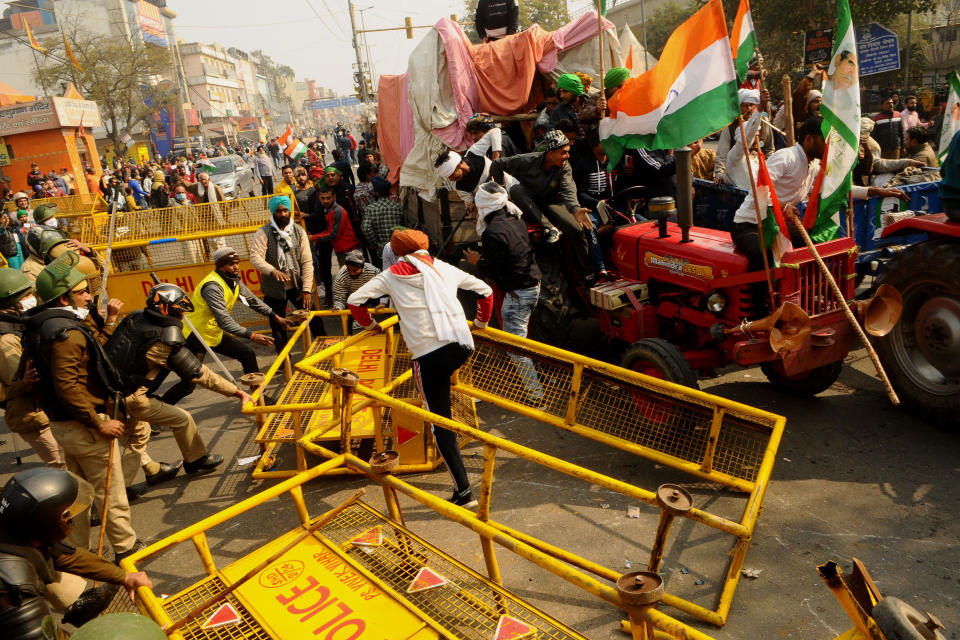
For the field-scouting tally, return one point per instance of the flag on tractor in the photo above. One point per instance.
(69, 51)
(31, 39)
(841, 129)
(951, 117)
(295, 149)
(771, 215)
(691, 93)
(743, 39)
(282, 140)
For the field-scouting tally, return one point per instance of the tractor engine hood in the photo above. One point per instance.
(640, 254)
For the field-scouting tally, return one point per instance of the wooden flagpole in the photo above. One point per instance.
(756, 206)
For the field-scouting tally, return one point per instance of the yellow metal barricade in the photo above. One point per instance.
(81, 203)
(360, 575)
(707, 437)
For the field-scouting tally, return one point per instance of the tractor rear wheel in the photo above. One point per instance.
(922, 352)
(660, 359)
(809, 383)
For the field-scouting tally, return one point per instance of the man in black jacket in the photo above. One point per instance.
(507, 258)
(497, 18)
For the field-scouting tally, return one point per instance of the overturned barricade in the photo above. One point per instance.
(721, 443)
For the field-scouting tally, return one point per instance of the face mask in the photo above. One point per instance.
(180, 197)
(51, 222)
(81, 313)
(27, 303)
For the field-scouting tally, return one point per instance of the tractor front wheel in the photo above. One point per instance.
(809, 383)
(658, 358)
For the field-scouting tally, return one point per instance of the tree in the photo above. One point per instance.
(549, 14)
(277, 75)
(121, 76)
(665, 21)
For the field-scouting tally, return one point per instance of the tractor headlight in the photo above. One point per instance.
(716, 303)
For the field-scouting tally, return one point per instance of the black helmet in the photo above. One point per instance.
(37, 504)
(169, 299)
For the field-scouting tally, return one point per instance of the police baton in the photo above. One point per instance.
(193, 329)
(104, 298)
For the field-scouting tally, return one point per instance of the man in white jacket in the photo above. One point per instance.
(424, 293)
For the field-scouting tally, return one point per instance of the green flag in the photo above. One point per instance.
(602, 7)
(951, 117)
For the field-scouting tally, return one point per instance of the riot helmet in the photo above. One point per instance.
(14, 285)
(59, 278)
(169, 300)
(39, 504)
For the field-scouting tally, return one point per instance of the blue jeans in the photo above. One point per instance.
(515, 314)
(593, 245)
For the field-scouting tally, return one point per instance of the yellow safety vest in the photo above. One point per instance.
(202, 317)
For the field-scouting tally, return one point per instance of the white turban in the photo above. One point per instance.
(813, 95)
(749, 96)
(446, 169)
(492, 197)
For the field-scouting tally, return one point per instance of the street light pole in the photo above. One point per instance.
(364, 97)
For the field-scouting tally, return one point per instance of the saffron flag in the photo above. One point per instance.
(690, 93)
(282, 140)
(31, 39)
(841, 129)
(775, 233)
(295, 149)
(744, 40)
(69, 51)
(951, 117)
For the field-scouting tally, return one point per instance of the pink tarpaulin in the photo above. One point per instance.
(571, 35)
(506, 68)
(463, 82)
(394, 122)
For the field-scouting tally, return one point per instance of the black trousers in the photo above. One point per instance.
(746, 238)
(432, 373)
(267, 185)
(556, 215)
(279, 307)
(229, 346)
(322, 271)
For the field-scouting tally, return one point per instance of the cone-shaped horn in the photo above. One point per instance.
(879, 315)
(790, 329)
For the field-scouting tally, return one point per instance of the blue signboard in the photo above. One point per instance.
(878, 49)
(333, 103)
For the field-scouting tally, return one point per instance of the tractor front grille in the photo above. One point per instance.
(816, 295)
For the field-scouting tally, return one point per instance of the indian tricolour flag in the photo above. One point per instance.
(951, 117)
(841, 129)
(208, 166)
(295, 149)
(282, 140)
(771, 215)
(744, 40)
(690, 93)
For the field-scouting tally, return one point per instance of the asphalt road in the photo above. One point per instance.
(854, 477)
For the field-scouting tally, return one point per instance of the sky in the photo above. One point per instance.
(319, 48)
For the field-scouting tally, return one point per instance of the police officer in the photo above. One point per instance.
(44, 245)
(37, 510)
(23, 408)
(145, 347)
(82, 388)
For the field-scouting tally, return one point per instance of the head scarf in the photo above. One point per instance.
(331, 169)
(813, 95)
(553, 140)
(380, 185)
(615, 77)
(446, 169)
(748, 96)
(866, 126)
(408, 241)
(491, 197)
(276, 201)
(571, 83)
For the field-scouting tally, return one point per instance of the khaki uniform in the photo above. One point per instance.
(80, 391)
(142, 407)
(23, 414)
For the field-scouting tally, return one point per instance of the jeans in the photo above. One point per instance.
(230, 347)
(593, 245)
(279, 307)
(432, 373)
(515, 315)
(555, 215)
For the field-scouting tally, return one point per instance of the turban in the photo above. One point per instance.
(380, 185)
(748, 96)
(553, 140)
(813, 95)
(615, 77)
(571, 83)
(408, 241)
(355, 258)
(331, 169)
(446, 169)
(866, 126)
(276, 201)
(225, 255)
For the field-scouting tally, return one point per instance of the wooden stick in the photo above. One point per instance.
(106, 498)
(850, 229)
(212, 600)
(788, 114)
(846, 310)
(756, 206)
(600, 40)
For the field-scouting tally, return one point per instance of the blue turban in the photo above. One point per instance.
(380, 185)
(276, 201)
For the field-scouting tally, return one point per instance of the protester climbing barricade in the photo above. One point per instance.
(309, 405)
(719, 445)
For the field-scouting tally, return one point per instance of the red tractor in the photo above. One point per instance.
(922, 353)
(690, 304)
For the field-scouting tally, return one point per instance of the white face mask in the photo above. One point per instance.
(51, 222)
(81, 313)
(27, 303)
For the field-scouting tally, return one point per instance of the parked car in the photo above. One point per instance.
(234, 176)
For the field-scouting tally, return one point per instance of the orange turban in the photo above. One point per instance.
(408, 241)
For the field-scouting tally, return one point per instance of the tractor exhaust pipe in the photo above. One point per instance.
(684, 192)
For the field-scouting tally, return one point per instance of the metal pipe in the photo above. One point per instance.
(684, 192)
